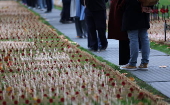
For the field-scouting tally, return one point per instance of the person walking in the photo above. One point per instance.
(115, 30)
(136, 22)
(95, 15)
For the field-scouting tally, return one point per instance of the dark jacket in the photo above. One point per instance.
(115, 21)
(133, 17)
(95, 5)
(66, 1)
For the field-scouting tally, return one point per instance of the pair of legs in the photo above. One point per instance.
(41, 4)
(135, 36)
(31, 3)
(124, 52)
(96, 24)
(65, 14)
(81, 27)
(49, 4)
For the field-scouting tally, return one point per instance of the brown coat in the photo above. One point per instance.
(115, 21)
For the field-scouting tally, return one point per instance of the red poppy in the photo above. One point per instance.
(73, 98)
(86, 60)
(16, 102)
(83, 86)
(123, 83)
(38, 101)
(62, 99)
(113, 84)
(51, 100)
(129, 94)
(167, 10)
(4, 103)
(77, 93)
(118, 96)
(162, 10)
(131, 89)
(1, 98)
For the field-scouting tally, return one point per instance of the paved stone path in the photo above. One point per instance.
(156, 76)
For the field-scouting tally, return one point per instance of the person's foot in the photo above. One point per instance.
(101, 48)
(79, 36)
(47, 11)
(42, 9)
(128, 67)
(143, 67)
(85, 36)
(92, 49)
(63, 21)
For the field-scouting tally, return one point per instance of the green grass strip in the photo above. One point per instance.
(160, 47)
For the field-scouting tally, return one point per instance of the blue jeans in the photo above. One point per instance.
(40, 2)
(135, 36)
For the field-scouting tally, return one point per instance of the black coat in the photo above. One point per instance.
(94, 5)
(66, 1)
(133, 17)
(115, 21)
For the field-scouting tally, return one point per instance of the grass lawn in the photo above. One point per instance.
(164, 2)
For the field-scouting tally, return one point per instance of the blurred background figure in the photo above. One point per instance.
(41, 4)
(95, 16)
(49, 4)
(65, 13)
(24, 2)
(77, 11)
(115, 30)
(31, 3)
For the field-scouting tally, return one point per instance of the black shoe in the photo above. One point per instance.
(102, 48)
(92, 49)
(79, 36)
(63, 21)
(47, 11)
(85, 36)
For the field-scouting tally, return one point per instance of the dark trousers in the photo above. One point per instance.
(24, 1)
(96, 23)
(124, 52)
(65, 15)
(139, 44)
(31, 3)
(49, 4)
(81, 27)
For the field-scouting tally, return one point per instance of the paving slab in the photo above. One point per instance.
(154, 74)
(163, 87)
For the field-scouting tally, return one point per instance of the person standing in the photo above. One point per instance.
(24, 2)
(95, 16)
(65, 14)
(115, 31)
(49, 4)
(136, 22)
(40, 4)
(77, 11)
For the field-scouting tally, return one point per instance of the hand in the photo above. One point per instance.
(146, 9)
